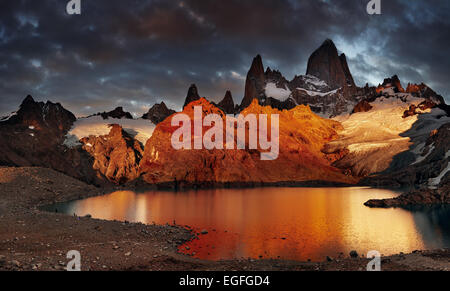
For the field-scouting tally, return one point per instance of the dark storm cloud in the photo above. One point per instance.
(136, 53)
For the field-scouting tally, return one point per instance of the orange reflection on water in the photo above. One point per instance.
(287, 223)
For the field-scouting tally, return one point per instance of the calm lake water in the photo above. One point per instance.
(286, 223)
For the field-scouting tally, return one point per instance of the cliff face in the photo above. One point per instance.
(327, 65)
(255, 82)
(302, 136)
(115, 156)
(348, 75)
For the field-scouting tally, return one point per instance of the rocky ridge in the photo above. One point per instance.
(227, 104)
(117, 113)
(158, 113)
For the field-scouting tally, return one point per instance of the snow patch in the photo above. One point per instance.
(389, 91)
(422, 158)
(315, 93)
(313, 80)
(140, 129)
(8, 117)
(277, 93)
(434, 182)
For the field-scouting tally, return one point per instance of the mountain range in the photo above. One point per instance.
(331, 131)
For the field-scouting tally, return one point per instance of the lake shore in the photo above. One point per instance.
(31, 239)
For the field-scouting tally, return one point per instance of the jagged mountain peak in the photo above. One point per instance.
(228, 96)
(227, 103)
(272, 88)
(329, 43)
(39, 115)
(257, 67)
(158, 113)
(28, 100)
(257, 62)
(394, 82)
(326, 64)
(192, 95)
(255, 82)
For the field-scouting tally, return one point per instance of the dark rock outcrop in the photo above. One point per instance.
(362, 106)
(426, 197)
(327, 65)
(393, 82)
(227, 104)
(347, 73)
(192, 95)
(158, 113)
(414, 110)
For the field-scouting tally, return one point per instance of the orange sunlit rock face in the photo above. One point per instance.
(302, 137)
(116, 155)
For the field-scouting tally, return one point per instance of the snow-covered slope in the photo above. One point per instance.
(6, 118)
(373, 138)
(140, 129)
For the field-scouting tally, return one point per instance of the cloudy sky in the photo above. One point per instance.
(134, 53)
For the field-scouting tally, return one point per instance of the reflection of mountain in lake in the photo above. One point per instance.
(291, 223)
